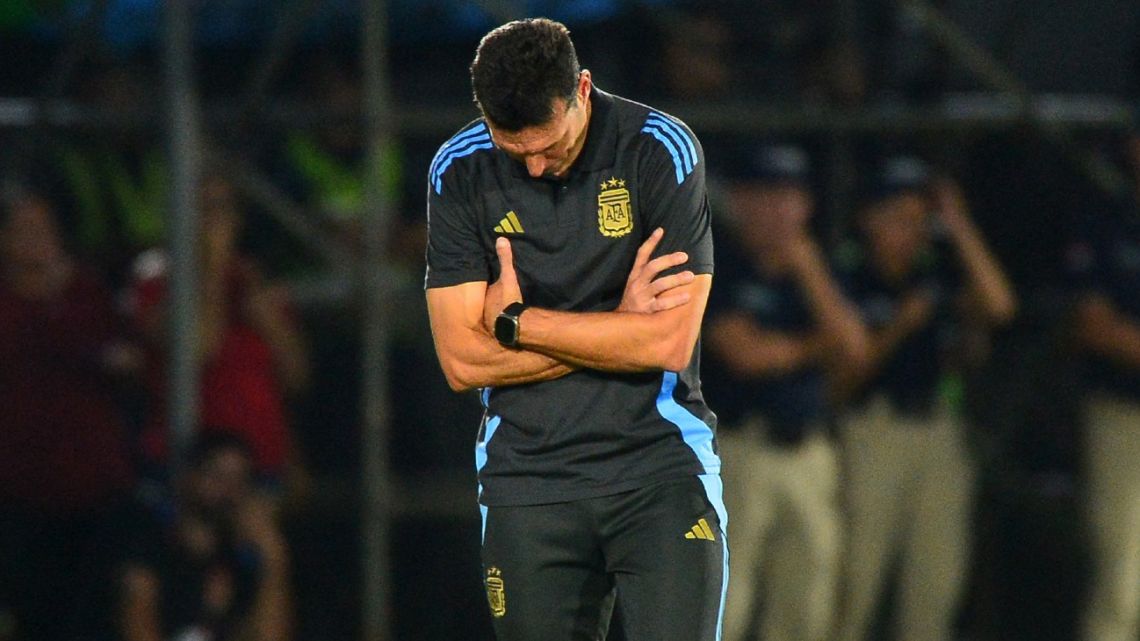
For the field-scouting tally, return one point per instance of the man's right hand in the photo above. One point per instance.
(504, 291)
(644, 292)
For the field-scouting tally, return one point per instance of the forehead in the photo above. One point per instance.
(536, 138)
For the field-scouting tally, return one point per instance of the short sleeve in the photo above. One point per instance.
(455, 253)
(674, 196)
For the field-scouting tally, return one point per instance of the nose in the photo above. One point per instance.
(535, 165)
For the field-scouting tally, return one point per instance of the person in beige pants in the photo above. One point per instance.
(1104, 267)
(908, 480)
(776, 319)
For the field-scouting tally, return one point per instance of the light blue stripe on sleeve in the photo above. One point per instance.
(476, 145)
(462, 144)
(680, 131)
(458, 139)
(677, 163)
(672, 135)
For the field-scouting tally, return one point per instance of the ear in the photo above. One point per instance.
(585, 83)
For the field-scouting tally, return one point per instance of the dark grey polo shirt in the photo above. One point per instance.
(590, 433)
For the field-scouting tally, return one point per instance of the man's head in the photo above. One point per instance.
(29, 233)
(533, 95)
(769, 193)
(219, 476)
(895, 216)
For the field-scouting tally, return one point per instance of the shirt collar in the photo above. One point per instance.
(600, 149)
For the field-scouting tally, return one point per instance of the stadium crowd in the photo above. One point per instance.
(923, 344)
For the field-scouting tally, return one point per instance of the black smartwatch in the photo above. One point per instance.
(507, 324)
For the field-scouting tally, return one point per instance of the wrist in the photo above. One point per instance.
(507, 328)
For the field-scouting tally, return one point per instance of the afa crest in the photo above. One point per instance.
(615, 216)
(496, 592)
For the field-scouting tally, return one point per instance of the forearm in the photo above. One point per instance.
(478, 360)
(1120, 345)
(139, 611)
(272, 616)
(750, 351)
(847, 377)
(1106, 333)
(609, 341)
(621, 341)
(838, 322)
(988, 286)
(774, 354)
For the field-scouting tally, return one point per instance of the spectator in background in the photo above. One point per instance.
(65, 471)
(776, 322)
(252, 353)
(211, 564)
(330, 162)
(1104, 264)
(909, 482)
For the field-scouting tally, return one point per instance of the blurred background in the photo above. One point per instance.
(222, 202)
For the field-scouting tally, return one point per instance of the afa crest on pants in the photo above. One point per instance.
(615, 216)
(496, 592)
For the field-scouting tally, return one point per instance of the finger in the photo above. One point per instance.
(665, 283)
(507, 277)
(661, 263)
(662, 303)
(646, 249)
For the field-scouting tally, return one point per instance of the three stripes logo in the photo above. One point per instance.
(509, 224)
(464, 143)
(676, 140)
(701, 531)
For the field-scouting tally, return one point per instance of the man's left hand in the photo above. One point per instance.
(645, 293)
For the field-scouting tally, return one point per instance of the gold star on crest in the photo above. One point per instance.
(612, 183)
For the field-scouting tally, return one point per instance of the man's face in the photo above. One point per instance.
(549, 150)
(770, 213)
(30, 238)
(221, 483)
(898, 228)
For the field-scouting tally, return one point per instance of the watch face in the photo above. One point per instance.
(507, 330)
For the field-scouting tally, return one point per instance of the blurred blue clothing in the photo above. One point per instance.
(911, 376)
(792, 404)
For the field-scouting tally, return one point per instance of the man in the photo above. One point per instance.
(254, 355)
(212, 563)
(1104, 266)
(65, 468)
(777, 322)
(909, 483)
(598, 468)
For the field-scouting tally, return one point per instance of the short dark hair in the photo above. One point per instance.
(520, 68)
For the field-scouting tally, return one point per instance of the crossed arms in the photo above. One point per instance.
(655, 327)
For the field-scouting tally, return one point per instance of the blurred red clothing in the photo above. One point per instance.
(63, 443)
(239, 389)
